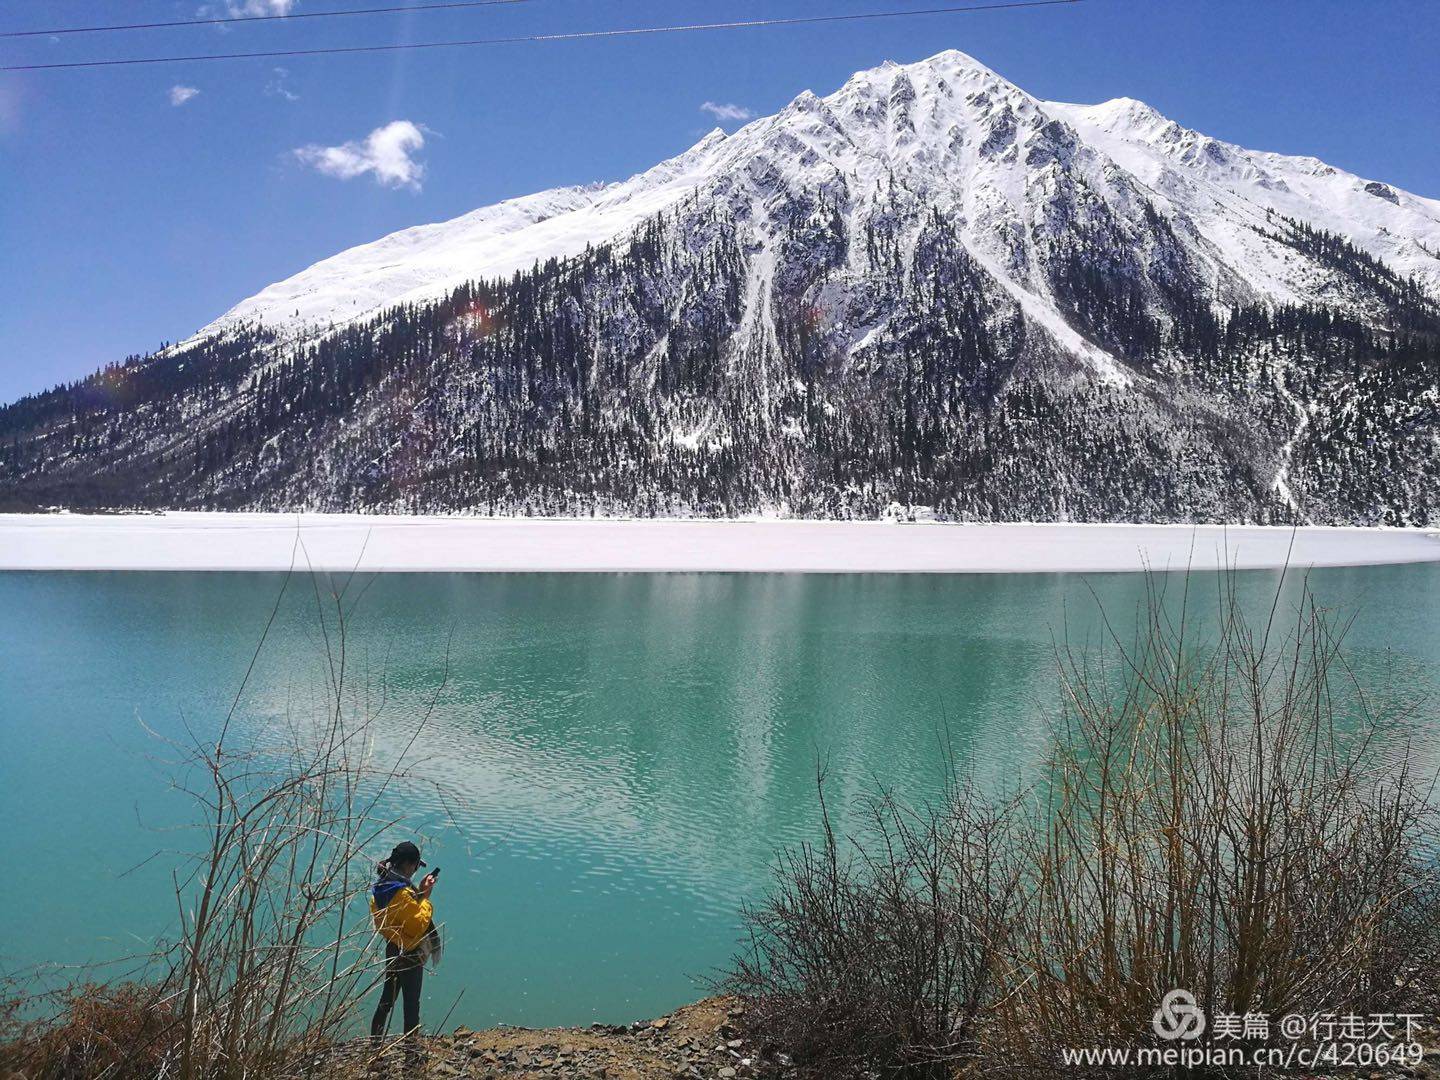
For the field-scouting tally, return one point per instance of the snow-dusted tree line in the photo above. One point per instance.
(878, 365)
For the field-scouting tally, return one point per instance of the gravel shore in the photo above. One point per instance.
(698, 1042)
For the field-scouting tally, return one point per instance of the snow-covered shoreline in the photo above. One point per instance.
(342, 542)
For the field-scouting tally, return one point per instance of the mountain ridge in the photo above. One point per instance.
(928, 288)
(1125, 120)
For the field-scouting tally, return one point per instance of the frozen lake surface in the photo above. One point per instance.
(338, 542)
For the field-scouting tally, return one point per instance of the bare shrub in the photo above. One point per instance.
(119, 1032)
(883, 951)
(1231, 814)
(273, 952)
(1225, 810)
(274, 945)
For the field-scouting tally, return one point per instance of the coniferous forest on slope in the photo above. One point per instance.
(646, 377)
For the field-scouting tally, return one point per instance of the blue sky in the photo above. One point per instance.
(133, 212)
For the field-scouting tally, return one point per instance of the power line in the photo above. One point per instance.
(582, 35)
(396, 9)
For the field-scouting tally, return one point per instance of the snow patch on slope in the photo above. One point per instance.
(1227, 188)
(495, 241)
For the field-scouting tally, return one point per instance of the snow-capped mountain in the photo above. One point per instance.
(928, 288)
(952, 130)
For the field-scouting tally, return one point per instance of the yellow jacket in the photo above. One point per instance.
(404, 919)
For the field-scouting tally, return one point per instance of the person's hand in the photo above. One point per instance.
(426, 884)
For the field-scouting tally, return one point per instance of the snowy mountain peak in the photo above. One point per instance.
(946, 86)
(956, 134)
(954, 65)
(927, 288)
(1127, 114)
(682, 162)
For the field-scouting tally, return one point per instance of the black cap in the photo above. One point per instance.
(406, 852)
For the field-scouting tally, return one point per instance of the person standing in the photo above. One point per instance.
(404, 917)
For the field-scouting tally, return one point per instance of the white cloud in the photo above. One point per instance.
(242, 9)
(179, 95)
(238, 8)
(279, 85)
(387, 153)
(727, 112)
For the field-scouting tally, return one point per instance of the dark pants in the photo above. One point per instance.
(403, 973)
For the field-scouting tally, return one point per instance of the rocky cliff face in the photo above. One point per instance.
(927, 288)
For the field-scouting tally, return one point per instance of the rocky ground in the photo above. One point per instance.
(699, 1042)
(704, 1041)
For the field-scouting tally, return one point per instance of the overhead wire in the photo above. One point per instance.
(394, 9)
(577, 35)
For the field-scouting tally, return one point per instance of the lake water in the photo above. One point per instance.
(623, 752)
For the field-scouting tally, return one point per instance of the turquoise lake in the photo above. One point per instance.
(622, 753)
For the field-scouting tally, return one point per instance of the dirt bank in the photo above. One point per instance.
(698, 1042)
